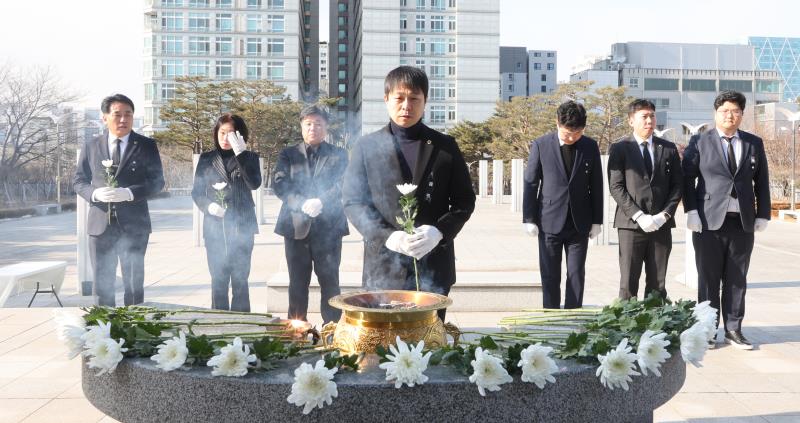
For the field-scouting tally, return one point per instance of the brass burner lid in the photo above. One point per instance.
(363, 305)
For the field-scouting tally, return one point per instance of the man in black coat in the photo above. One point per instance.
(726, 198)
(308, 179)
(645, 179)
(117, 173)
(562, 203)
(407, 151)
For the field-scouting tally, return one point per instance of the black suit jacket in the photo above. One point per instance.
(630, 187)
(240, 215)
(549, 192)
(708, 182)
(139, 170)
(294, 183)
(444, 196)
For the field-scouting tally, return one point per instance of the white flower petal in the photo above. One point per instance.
(70, 329)
(652, 351)
(406, 365)
(232, 360)
(313, 386)
(172, 353)
(96, 333)
(219, 186)
(107, 163)
(406, 189)
(488, 372)
(694, 343)
(537, 365)
(617, 367)
(105, 354)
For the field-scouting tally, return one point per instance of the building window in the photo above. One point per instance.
(275, 4)
(633, 82)
(149, 91)
(768, 86)
(198, 68)
(658, 84)
(420, 23)
(544, 77)
(451, 90)
(342, 7)
(341, 74)
(451, 45)
(537, 54)
(224, 69)
(342, 61)
(437, 69)
(198, 22)
(254, 4)
(736, 85)
(420, 63)
(253, 23)
(699, 85)
(253, 46)
(341, 21)
(551, 66)
(437, 91)
(275, 70)
(224, 46)
(172, 68)
(420, 4)
(342, 48)
(198, 3)
(199, 46)
(275, 46)
(172, 21)
(403, 3)
(437, 23)
(510, 76)
(437, 47)
(420, 50)
(543, 88)
(342, 34)
(451, 68)
(225, 3)
(224, 22)
(551, 54)
(342, 88)
(537, 66)
(437, 4)
(451, 23)
(171, 44)
(253, 69)
(403, 22)
(437, 114)
(172, 3)
(451, 113)
(451, 3)
(511, 87)
(403, 45)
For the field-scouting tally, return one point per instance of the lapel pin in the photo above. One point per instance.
(428, 142)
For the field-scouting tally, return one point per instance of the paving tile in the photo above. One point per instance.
(777, 403)
(24, 387)
(695, 405)
(14, 410)
(70, 410)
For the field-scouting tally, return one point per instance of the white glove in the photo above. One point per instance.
(693, 222)
(398, 242)
(531, 229)
(596, 229)
(424, 239)
(121, 194)
(103, 195)
(761, 224)
(237, 142)
(312, 207)
(647, 223)
(215, 209)
(660, 219)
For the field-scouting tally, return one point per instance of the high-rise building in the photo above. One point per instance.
(456, 43)
(781, 54)
(323, 67)
(526, 72)
(682, 80)
(228, 39)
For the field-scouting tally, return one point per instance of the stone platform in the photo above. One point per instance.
(139, 392)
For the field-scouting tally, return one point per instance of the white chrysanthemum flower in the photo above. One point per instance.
(232, 359)
(617, 367)
(219, 186)
(70, 329)
(488, 372)
(407, 365)
(105, 354)
(406, 189)
(537, 365)
(96, 333)
(172, 353)
(313, 386)
(707, 316)
(694, 343)
(107, 163)
(652, 351)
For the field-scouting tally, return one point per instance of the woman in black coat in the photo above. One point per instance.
(222, 183)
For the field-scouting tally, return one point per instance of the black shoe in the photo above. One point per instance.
(712, 343)
(735, 338)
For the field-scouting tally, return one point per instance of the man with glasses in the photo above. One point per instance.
(562, 203)
(726, 198)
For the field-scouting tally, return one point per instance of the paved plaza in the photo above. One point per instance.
(38, 384)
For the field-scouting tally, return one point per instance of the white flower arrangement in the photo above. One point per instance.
(172, 353)
(96, 333)
(406, 365)
(537, 365)
(617, 367)
(105, 354)
(488, 372)
(313, 386)
(232, 360)
(694, 343)
(651, 352)
(406, 189)
(70, 329)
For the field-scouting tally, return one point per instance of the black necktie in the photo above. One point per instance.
(568, 155)
(731, 161)
(648, 161)
(115, 153)
(312, 159)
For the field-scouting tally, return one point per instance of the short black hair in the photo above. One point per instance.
(105, 106)
(406, 76)
(314, 109)
(238, 125)
(732, 96)
(640, 104)
(571, 115)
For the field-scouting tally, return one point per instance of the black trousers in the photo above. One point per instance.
(323, 254)
(724, 256)
(574, 245)
(636, 247)
(230, 269)
(117, 246)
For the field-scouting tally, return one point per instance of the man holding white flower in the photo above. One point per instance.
(406, 151)
(117, 173)
(308, 180)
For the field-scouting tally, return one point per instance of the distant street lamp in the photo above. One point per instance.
(661, 133)
(693, 130)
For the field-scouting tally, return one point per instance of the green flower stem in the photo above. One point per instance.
(204, 311)
(224, 323)
(416, 273)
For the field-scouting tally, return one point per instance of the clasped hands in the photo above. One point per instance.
(424, 239)
(651, 222)
(533, 230)
(112, 195)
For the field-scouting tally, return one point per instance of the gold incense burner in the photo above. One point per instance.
(370, 319)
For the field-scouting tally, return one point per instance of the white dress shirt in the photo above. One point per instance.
(736, 142)
(649, 140)
(123, 144)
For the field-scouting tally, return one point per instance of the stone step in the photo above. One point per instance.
(474, 291)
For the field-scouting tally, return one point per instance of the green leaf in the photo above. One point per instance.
(199, 346)
(488, 343)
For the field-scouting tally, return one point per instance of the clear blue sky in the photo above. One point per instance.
(95, 45)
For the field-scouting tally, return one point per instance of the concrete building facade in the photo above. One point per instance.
(542, 71)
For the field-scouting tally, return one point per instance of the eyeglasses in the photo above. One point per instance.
(735, 112)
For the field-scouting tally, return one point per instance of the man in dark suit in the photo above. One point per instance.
(308, 179)
(726, 197)
(407, 151)
(119, 219)
(644, 177)
(562, 203)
